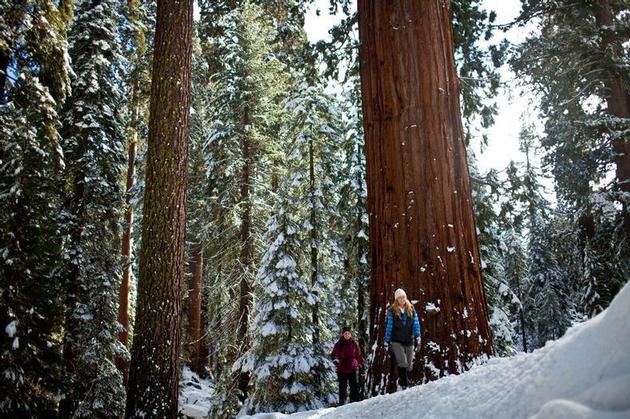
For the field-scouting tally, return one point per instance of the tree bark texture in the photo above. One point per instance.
(422, 227)
(154, 375)
(198, 354)
(617, 101)
(127, 241)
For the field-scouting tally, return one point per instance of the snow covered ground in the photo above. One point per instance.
(585, 374)
(195, 396)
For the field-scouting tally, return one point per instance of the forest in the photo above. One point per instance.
(195, 196)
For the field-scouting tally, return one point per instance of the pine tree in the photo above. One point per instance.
(137, 34)
(34, 83)
(281, 358)
(543, 289)
(584, 100)
(340, 57)
(239, 152)
(288, 360)
(478, 76)
(315, 124)
(93, 144)
(353, 304)
(154, 368)
(500, 297)
(550, 305)
(603, 273)
(515, 266)
(197, 214)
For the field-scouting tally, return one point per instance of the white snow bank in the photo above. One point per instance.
(585, 374)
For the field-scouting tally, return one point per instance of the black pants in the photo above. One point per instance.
(343, 380)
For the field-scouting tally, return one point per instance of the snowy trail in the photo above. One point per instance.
(584, 374)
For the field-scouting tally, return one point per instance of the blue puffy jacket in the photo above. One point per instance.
(417, 331)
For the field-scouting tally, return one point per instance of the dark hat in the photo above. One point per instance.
(346, 329)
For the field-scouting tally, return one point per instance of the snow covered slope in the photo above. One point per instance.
(585, 374)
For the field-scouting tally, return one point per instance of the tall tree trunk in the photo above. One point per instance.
(422, 227)
(617, 101)
(247, 251)
(154, 374)
(127, 241)
(198, 354)
(314, 262)
(521, 313)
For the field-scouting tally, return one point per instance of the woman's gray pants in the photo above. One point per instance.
(403, 355)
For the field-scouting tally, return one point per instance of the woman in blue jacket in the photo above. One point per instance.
(402, 334)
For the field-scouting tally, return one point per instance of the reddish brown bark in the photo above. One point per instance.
(422, 227)
(126, 245)
(154, 372)
(617, 100)
(196, 336)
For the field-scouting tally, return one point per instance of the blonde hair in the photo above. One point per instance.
(407, 307)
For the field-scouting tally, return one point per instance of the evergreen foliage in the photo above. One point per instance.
(499, 295)
(241, 98)
(34, 82)
(288, 358)
(93, 144)
(584, 137)
(514, 262)
(353, 301)
(277, 194)
(549, 312)
(603, 259)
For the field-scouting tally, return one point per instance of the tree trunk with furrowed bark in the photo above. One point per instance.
(422, 227)
(154, 372)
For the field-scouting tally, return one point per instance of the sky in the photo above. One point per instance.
(512, 104)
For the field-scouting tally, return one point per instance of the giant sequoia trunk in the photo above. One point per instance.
(153, 379)
(617, 100)
(422, 227)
